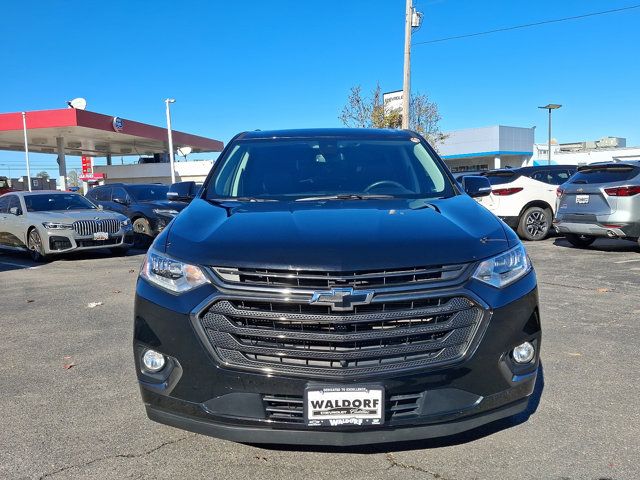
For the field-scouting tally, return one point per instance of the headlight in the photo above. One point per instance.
(57, 226)
(171, 274)
(162, 211)
(505, 268)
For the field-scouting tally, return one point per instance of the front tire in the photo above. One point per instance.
(142, 233)
(534, 224)
(35, 246)
(579, 241)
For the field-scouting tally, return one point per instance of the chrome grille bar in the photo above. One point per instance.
(89, 227)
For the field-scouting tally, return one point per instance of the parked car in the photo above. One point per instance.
(335, 287)
(600, 200)
(525, 197)
(45, 223)
(146, 205)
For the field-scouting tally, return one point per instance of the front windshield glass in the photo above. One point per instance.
(44, 202)
(146, 193)
(306, 168)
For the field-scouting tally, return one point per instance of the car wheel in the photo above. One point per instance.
(579, 241)
(534, 224)
(142, 233)
(34, 244)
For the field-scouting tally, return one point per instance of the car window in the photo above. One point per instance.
(14, 201)
(100, 194)
(501, 176)
(541, 176)
(558, 177)
(118, 192)
(296, 168)
(4, 204)
(605, 173)
(147, 193)
(43, 202)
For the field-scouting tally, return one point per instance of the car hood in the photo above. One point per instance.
(166, 204)
(336, 235)
(70, 216)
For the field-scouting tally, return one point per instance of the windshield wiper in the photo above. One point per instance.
(240, 199)
(346, 196)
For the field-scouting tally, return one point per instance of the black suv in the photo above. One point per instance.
(335, 287)
(145, 204)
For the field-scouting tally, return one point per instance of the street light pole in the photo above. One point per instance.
(406, 84)
(170, 138)
(551, 106)
(26, 147)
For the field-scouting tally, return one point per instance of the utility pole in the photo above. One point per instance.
(406, 84)
(170, 138)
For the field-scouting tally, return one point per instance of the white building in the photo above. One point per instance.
(196, 171)
(607, 149)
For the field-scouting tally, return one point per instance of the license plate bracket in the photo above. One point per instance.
(583, 199)
(340, 405)
(101, 236)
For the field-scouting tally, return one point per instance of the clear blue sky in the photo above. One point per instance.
(242, 65)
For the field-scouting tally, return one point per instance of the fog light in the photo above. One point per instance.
(523, 353)
(153, 361)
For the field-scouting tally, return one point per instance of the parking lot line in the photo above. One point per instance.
(628, 261)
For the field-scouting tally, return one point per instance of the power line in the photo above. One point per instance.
(527, 25)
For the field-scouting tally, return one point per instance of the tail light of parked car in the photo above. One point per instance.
(628, 191)
(506, 191)
(559, 192)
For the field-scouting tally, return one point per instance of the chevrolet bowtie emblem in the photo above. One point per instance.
(341, 299)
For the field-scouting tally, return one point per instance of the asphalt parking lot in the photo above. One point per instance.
(87, 421)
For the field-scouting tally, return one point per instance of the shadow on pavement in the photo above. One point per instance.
(19, 261)
(603, 245)
(461, 438)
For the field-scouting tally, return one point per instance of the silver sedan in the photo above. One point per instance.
(51, 222)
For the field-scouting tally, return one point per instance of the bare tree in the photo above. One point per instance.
(43, 174)
(370, 112)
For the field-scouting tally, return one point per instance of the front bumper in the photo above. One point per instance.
(63, 241)
(195, 392)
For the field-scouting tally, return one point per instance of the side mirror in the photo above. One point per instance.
(121, 201)
(183, 191)
(15, 211)
(476, 186)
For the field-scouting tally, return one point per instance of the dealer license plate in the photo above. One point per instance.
(582, 198)
(334, 406)
(101, 236)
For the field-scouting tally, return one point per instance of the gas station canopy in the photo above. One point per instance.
(79, 132)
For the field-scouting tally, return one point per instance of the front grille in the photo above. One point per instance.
(89, 227)
(299, 338)
(320, 280)
(290, 409)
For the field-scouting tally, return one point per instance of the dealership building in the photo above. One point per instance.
(502, 146)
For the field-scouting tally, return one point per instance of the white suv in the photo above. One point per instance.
(525, 198)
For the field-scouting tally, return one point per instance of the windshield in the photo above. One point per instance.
(44, 202)
(309, 168)
(145, 193)
(605, 174)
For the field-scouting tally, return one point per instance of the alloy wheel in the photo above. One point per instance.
(536, 224)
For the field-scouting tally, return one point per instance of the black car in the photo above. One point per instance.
(145, 204)
(335, 287)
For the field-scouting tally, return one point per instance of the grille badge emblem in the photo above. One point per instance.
(342, 299)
